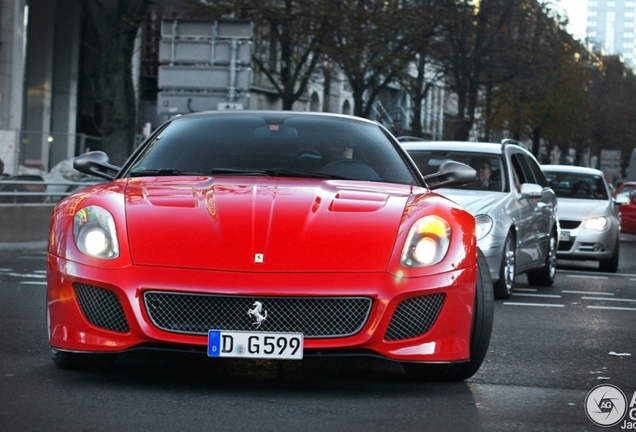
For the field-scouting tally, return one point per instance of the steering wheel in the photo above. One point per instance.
(352, 168)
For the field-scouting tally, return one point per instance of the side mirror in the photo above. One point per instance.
(531, 190)
(621, 199)
(95, 163)
(449, 174)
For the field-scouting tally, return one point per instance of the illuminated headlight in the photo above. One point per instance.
(598, 224)
(426, 243)
(483, 225)
(95, 233)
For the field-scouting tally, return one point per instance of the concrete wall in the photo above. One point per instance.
(25, 222)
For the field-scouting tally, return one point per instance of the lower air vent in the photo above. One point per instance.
(414, 317)
(101, 308)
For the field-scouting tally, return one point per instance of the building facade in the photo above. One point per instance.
(47, 111)
(611, 27)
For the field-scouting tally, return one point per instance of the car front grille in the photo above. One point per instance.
(315, 317)
(101, 307)
(569, 224)
(414, 317)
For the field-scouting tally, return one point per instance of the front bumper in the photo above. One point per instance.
(581, 244)
(447, 339)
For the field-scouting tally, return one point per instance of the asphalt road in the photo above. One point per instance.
(550, 347)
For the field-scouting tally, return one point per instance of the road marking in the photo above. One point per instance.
(586, 292)
(587, 277)
(538, 295)
(609, 299)
(526, 289)
(32, 283)
(611, 307)
(533, 304)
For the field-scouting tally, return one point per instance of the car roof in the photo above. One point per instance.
(467, 146)
(572, 169)
(273, 113)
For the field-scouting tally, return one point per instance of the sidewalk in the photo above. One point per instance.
(8, 246)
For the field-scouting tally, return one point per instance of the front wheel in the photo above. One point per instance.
(80, 361)
(479, 340)
(507, 270)
(546, 274)
(610, 265)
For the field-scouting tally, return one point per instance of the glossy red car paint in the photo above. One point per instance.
(177, 247)
(627, 211)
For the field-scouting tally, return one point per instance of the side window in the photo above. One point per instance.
(538, 173)
(523, 174)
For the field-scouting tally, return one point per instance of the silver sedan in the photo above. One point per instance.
(588, 215)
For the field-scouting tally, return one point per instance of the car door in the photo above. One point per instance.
(535, 213)
(628, 215)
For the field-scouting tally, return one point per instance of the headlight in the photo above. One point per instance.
(598, 224)
(483, 225)
(95, 233)
(426, 243)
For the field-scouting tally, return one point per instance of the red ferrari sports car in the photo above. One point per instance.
(271, 235)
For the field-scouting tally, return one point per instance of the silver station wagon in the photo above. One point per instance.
(513, 204)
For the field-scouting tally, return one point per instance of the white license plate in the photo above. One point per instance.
(564, 235)
(283, 346)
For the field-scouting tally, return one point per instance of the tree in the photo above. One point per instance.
(112, 27)
(471, 32)
(422, 24)
(613, 90)
(369, 45)
(288, 40)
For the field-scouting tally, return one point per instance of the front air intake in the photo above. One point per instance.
(101, 308)
(414, 317)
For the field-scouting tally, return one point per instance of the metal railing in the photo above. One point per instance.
(20, 189)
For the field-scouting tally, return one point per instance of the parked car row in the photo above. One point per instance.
(516, 204)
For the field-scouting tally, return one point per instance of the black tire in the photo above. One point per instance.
(507, 269)
(610, 265)
(479, 340)
(546, 274)
(78, 361)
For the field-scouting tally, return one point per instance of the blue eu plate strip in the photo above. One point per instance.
(214, 343)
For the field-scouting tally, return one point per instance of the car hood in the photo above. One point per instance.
(263, 224)
(580, 209)
(476, 202)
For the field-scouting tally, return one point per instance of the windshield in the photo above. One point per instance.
(489, 167)
(575, 185)
(274, 145)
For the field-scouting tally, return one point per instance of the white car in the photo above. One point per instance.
(588, 215)
(514, 206)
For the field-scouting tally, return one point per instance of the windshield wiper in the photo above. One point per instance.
(277, 172)
(237, 171)
(162, 172)
(280, 172)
